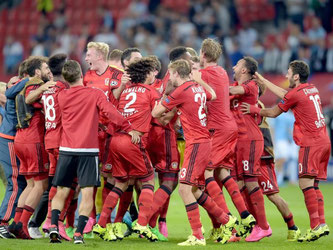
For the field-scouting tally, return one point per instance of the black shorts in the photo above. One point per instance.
(84, 167)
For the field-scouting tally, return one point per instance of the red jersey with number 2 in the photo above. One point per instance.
(190, 99)
(309, 126)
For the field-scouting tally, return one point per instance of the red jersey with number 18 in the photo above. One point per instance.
(52, 115)
(309, 126)
(190, 99)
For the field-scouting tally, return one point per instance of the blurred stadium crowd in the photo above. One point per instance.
(272, 31)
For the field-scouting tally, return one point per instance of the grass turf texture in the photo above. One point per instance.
(179, 228)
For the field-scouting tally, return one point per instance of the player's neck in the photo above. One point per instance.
(102, 68)
(209, 64)
(244, 78)
(58, 78)
(78, 83)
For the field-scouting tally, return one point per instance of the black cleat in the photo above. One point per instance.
(4, 232)
(78, 238)
(54, 235)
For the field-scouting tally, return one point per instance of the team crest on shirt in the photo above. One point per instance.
(113, 83)
(108, 166)
(174, 165)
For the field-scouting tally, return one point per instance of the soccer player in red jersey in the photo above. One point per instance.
(310, 134)
(29, 145)
(250, 145)
(78, 151)
(190, 99)
(223, 131)
(131, 162)
(114, 59)
(268, 183)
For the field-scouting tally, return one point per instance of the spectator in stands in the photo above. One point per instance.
(296, 9)
(329, 55)
(13, 55)
(285, 56)
(315, 34)
(246, 38)
(271, 57)
(318, 57)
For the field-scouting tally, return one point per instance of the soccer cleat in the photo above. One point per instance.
(117, 230)
(145, 231)
(35, 233)
(109, 234)
(227, 229)
(46, 226)
(21, 234)
(4, 232)
(234, 238)
(193, 241)
(258, 233)
(70, 232)
(78, 238)
(100, 231)
(214, 233)
(62, 231)
(159, 235)
(54, 234)
(89, 226)
(89, 235)
(326, 230)
(312, 234)
(246, 226)
(128, 220)
(12, 229)
(163, 229)
(293, 235)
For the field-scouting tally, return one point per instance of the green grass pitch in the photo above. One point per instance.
(179, 228)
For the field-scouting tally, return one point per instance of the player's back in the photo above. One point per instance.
(309, 126)
(53, 115)
(136, 103)
(247, 124)
(219, 114)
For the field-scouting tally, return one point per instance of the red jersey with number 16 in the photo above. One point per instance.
(52, 115)
(190, 99)
(309, 126)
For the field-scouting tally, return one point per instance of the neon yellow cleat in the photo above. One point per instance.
(109, 235)
(293, 235)
(227, 230)
(145, 231)
(98, 230)
(193, 241)
(215, 233)
(118, 231)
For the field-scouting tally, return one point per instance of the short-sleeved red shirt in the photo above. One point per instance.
(309, 126)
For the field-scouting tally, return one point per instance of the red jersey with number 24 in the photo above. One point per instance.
(309, 126)
(190, 99)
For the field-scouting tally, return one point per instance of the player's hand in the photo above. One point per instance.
(136, 136)
(125, 79)
(196, 75)
(249, 109)
(169, 88)
(46, 86)
(259, 78)
(12, 81)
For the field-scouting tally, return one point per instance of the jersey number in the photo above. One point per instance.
(266, 187)
(48, 102)
(316, 102)
(126, 108)
(202, 98)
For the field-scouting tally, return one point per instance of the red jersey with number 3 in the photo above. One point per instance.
(309, 126)
(248, 128)
(52, 114)
(190, 99)
(219, 114)
(136, 103)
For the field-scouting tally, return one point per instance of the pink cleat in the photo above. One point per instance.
(258, 233)
(89, 226)
(62, 231)
(162, 227)
(47, 225)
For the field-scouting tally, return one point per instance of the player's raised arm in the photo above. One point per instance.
(280, 92)
(253, 109)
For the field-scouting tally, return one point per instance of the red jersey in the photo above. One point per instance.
(52, 114)
(248, 128)
(136, 103)
(219, 114)
(35, 132)
(157, 84)
(79, 107)
(309, 126)
(107, 81)
(164, 82)
(190, 99)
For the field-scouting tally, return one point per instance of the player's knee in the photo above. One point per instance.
(184, 190)
(209, 173)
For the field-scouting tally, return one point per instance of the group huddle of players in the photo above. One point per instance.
(121, 117)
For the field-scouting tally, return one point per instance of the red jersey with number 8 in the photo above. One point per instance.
(190, 99)
(309, 126)
(53, 115)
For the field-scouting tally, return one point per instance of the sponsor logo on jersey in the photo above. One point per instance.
(174, 165)
(113, 83)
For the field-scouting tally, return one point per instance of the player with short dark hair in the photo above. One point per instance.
(130, 55)
(309, 133)
(78, 151)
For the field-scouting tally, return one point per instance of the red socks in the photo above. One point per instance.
(257, 201)
(321, 210)
(193, 216)
(211, 207)
(26, 214)
(234, 193)
(18, 213)
(311, 202)
(216, 193)
(290, 221)
(164, 209)
(161, 196)
(125, 201)
(110, 203)
(145, 204)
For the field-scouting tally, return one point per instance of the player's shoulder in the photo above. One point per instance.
(115, 69)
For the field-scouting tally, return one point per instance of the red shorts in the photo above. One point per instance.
(223, 149)
(248, 154)
(106, 157)
(33, 158)
(53, 158)
(102, 135)
(313, 160)
(163, 150)
(129, 160)
(195, 163)
(267, 180)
